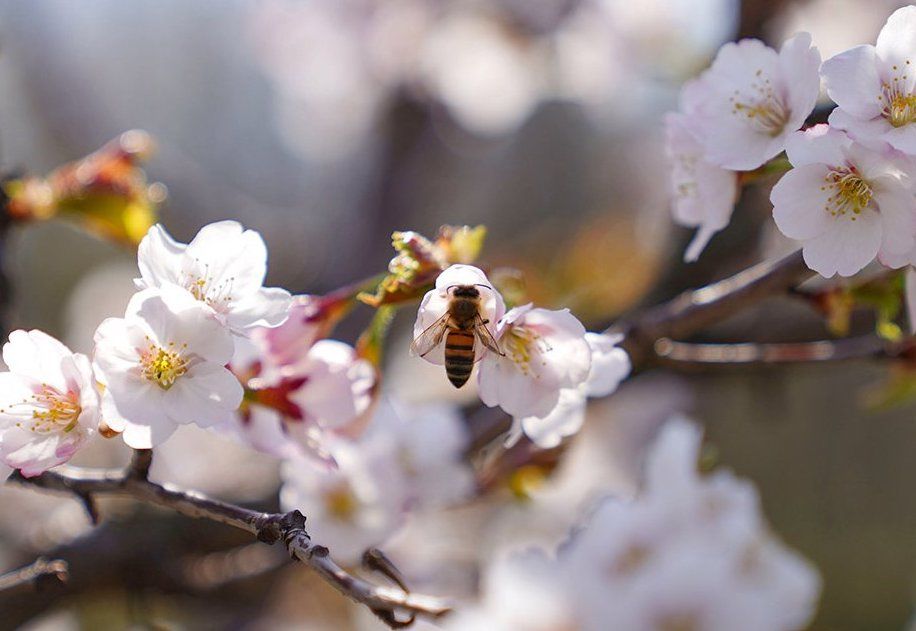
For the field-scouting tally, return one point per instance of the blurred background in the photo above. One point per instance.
(326, 125)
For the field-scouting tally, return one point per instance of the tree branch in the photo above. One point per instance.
(386, 602)
(39, 575)
(675, 353)
(694, 310)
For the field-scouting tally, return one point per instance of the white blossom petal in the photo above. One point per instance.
(159, 258)
(800, 201)
(610, 364)
(853, 83)
(206, 395)
(896, 44)
(846, 248)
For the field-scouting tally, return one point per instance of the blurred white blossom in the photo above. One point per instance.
(519, 592)
(352, 507)
(703, 195)
(408, 459)
(429, 443)
(690, 551)
(752, 98)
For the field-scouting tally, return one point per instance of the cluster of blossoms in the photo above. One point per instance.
(689, 552)
(849, 197)
(203, 342)
(548, 365)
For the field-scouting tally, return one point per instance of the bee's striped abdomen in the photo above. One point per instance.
(459, 356)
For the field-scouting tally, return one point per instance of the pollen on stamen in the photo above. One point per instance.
(163, 366)
(851, 194)
(899, 106)
(762, 109)
(48, 411)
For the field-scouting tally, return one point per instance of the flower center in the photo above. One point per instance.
(51, 411)
(902, 110)
(850, 193)
(899, 105)
(205, 289)
(163, 366)
(522, 346)
(762, 109)
(340, 502)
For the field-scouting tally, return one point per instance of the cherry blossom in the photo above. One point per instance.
(163, 365)
(753, 98)
(223, 267)
(298, 392)
(338, 384)
(289, 342)
(874, 87)
(609, 366)
(690, 549)
(49, 405)
(545, 353)
(703, 194)
(846, 203)
(436, 301)
(428, 442)
(520, 591)
(355, 506)
(409, 458)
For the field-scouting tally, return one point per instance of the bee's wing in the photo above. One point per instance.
(431, 337)
(483, 335)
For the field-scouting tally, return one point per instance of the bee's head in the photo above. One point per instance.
(464, 291)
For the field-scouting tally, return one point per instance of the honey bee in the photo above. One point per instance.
(462, 327)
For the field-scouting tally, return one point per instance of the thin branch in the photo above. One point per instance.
(387, 602)
(39, 575)
(671, 352)
(140, 463)
(694, 310)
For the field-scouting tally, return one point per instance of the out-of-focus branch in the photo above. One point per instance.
(694, 310)
(683, 354)
(393, 605)
(37, 575)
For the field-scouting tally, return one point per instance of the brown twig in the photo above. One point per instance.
(387, 602)
(38, 575)
(674, 353)
(694, 310)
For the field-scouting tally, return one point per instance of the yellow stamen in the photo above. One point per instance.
(850, 192)
(205, 289)
(51, 411)
(899, 104)
(763, 109)
(522, 346)
(163, 365)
